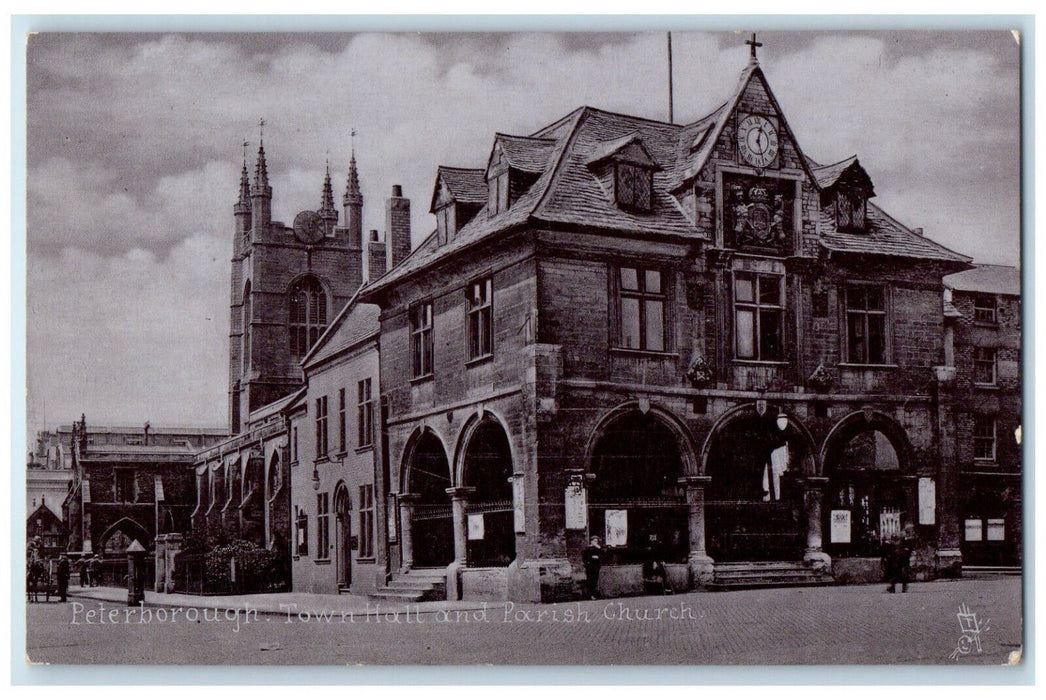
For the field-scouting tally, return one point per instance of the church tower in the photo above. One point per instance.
(287, 284)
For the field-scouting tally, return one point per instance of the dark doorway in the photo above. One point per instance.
(754, 503)
(432, 528)
(866, 503)
(488, 469)
(343, 515)
(637, 465)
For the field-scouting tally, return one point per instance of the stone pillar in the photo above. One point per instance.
(459, 500)
(702, 568)
(814, 556)
(406, 501)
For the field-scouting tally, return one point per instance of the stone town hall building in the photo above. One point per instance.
(691, 337)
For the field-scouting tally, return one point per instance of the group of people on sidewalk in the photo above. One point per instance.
(654, 571)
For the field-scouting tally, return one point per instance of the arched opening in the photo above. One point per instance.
(278, 526)
(246, 320)
(432, 526)
(635, 501)
(252, 505)
(754, 504)
(119, 536)
(867, 500)
(343, 548)
(488, 469)
(307, 314)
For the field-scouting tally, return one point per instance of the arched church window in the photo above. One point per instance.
(308, 315)
(247, 327)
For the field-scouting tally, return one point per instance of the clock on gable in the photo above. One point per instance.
(757, 140)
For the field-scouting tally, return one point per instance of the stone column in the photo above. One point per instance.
(701, 565)
(814, 556)
(406, 502)
(459, 499)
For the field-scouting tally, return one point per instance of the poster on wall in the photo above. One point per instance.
(476, 526)
(973, 530)
(575, 501)
(996, 530)
(840, 530)
(519, 524)
(616, 528)
(927, 501)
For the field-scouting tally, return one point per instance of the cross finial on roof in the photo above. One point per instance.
(754, 44)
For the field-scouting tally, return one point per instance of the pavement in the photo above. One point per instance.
(860, 624)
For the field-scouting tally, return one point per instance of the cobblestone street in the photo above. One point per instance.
(833, 625)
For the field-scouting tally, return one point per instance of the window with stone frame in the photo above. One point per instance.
(984, 308)
(307, 314)
(633, 186)
(866, 324)
(984, 363)
(758, 316)
(366, 540)
(480, 312)
(125, 486)
(421, 340)
(323, 537)
(342, 417)
(641, 308)
(301, 525)
(364, 414)
(321, 427)
(984, 438)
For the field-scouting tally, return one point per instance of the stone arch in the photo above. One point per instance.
(274, 476)
(684, 440)
(424, 481)
(131, 528)
(484, 464)
(868, 419)
(812, 463)
(476, 421)
(411, 447)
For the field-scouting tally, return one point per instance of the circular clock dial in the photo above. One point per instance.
(308, 227)
(757, 140)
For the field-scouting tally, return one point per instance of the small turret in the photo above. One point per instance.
(242, 208)
(327, 212)
(261, 194)
(353, 203)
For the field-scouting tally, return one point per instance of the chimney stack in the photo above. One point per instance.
(918, 230)
(373, 256)
(397, 228)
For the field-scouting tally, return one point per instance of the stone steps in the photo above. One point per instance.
(741, 575)
(414, 586)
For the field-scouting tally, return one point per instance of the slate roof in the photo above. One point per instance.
(355, 323)
(527, 153)
(466, 185)
(987, 279)
(568, 190)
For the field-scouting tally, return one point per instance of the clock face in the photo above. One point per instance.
(308, 227)
(757, 140)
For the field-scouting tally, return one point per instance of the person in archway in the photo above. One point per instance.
(592, 558)
(898, 559)
(654, 563)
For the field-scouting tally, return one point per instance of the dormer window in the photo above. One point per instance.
(633, 185)
(850, 210)
(497, 192)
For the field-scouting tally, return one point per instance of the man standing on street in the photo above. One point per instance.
(63, 577)
(592, 558)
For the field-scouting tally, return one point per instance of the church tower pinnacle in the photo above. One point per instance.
(261, 192)
(327, 211)
(353, 200)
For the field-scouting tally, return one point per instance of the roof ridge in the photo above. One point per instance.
(556, 169)
(543, 139)
(635, 117)
(458, 168)
(829, 165)
(907, 230)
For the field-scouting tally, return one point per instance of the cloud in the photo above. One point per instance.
(135, 152)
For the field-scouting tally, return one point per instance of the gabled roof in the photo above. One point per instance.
(526, 153)
(987, 279)
(355, 323)
(846, 169)
(466, 185)
(629, 147)
(270, 409)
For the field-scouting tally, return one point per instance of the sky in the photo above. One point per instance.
(135, 149)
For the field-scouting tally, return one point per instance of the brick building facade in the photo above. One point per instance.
(983, 309)
(689, 338)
